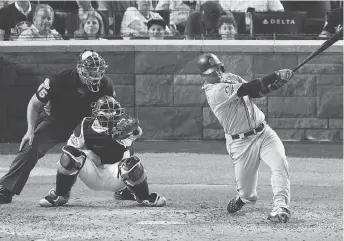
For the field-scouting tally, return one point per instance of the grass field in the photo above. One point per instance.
(197, 184)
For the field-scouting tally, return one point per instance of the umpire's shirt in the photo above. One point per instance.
(67, 100)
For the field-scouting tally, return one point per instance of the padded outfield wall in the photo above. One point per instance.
(158, 82)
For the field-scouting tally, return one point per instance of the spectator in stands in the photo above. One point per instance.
(116, 11)
(228, 27)
(135, 19)
(68, 14)
(85, 6)
(91, 27)
(204, 23)
(258, 5)
(156, 28)
(14, 18)
(333, 24)
(176, 12)
(102, 9)
(41, 28)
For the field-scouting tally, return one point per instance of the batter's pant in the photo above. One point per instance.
(48, 133)
(247, 155)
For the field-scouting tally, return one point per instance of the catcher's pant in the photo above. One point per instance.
(100, 177)
(48, 133)
(247, 154)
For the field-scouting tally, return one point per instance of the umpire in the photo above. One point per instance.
(58, 106)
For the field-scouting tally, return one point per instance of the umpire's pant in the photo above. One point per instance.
(48, 133)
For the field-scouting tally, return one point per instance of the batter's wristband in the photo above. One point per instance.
(271, 78)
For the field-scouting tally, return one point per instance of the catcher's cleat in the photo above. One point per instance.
(154, 200)
(235, 205)
(124, 194)
(52, 200)
(279, 215)
(5, 195)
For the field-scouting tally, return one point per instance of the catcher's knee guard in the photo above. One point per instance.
(71, 160)
(133, 174)
(132, 171)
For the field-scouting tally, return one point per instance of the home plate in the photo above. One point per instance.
(161, 223)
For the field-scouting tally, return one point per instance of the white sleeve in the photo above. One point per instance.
(130, 15)
(77, 141)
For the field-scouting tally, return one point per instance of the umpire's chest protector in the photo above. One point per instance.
(71, 102)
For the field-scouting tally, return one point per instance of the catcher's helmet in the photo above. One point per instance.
(108, 111)
(91, 68)
(208, 63)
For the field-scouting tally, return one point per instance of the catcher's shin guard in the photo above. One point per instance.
(133, 174)
(141, 191)
(71, 162)
(64, 183)
(124, 194)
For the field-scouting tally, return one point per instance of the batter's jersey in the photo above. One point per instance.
(236, 115)
(89, 135)
(67, 99)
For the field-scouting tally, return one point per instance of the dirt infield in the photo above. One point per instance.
(197, 187)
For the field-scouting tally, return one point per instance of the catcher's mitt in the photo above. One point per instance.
(124, 128)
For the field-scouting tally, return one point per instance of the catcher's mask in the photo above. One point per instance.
(108, 111)
(91, 68)
(208, 63)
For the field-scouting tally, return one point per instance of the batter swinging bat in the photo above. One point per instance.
(323, 47)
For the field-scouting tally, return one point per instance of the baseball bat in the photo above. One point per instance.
(328, 43)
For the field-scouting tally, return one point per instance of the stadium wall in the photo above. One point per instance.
(159, 83)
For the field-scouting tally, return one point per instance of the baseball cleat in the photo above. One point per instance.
(154, 200)
(124, 194)
(5, 195)
(235, 205)
(279, 215)
(52, 200)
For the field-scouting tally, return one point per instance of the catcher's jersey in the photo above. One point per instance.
(87, 137)
(236, 115)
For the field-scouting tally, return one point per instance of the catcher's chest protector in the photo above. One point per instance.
(109, 150)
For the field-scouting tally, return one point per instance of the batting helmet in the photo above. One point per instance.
(208, 63)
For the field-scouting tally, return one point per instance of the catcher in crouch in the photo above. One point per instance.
(98, 152)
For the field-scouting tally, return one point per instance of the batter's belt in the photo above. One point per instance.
(249, 133)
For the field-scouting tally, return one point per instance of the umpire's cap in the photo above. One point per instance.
(208, 63)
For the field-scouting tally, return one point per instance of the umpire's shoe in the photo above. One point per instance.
(52, 200)
(5, 195)
(124, 194)
(235, 205)
(279, 215)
